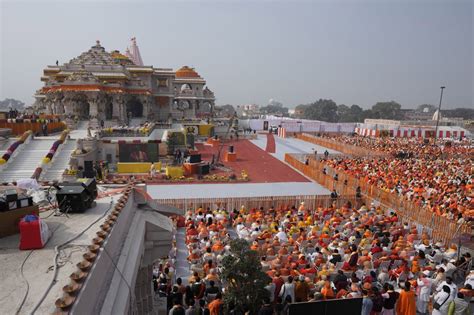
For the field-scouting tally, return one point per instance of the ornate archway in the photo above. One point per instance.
(109, 109)
(134, 108)
(81, 106)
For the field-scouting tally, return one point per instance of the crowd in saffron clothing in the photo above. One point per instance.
(327, 253)
(438, 178)
(416, 147)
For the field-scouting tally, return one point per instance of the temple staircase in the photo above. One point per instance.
(25, 163)
(60, 162)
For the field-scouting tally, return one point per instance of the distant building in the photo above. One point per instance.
(248, 110)
(109, 85)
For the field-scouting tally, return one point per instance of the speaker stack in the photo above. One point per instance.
(89, 171)
(76, 197)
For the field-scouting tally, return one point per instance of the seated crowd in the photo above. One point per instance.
(443, 186)
(326, 253)
(416, 147)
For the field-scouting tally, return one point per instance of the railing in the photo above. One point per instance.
(440, 228)
(311, 202)
(142, 131)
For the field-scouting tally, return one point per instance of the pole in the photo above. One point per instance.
(439, 113)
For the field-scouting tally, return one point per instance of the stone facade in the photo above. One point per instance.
(105, 85)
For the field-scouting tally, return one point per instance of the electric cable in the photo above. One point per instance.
(56, 255)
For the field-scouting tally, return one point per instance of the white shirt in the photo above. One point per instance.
(282, 236)
(452, 286)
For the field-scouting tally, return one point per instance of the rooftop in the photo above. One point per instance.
(28, 273)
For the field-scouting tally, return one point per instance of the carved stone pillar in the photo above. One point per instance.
(68, 107)
(93, 107)
(117, 107)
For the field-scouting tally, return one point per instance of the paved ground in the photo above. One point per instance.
(261, 166)
(38, 266)
(191, 191)
(290, 145)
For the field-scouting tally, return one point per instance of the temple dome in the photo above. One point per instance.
(97, 55)
(187, 72)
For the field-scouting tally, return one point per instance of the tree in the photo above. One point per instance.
(466, 113)
(225, 110)
(277, 109)
(12, 103)
(244, 277)
(325, 110)
(344, 113)
(387, 110)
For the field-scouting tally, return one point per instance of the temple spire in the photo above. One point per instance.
(134, 53)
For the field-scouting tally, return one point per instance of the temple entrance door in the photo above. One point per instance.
(81, 108)
(135, 107)
(108, 111)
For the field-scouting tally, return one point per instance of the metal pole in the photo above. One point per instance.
(439, 113)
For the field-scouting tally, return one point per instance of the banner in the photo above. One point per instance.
(138, 152)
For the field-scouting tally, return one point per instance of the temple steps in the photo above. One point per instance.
(59, 163)
(24, 164)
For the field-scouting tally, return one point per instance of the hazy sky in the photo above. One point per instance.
(355, 52)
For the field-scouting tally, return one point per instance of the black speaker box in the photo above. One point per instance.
(11, 195)
(3, 205)
(204, 169)
(88, 166)
(89, 174)
(90, 185)
(195, 158)
(25, 201)
(73, 199)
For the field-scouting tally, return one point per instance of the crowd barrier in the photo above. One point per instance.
(278, 202)
(440, 228)
(334, 145)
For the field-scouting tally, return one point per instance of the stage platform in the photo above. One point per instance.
(260, 166)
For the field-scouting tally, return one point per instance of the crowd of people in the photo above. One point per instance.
(439, 178)
(416, 147)
(323, 254)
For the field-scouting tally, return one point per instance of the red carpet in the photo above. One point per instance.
(259, 165)
(271, 147)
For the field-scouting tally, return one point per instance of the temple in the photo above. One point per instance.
(112, 86)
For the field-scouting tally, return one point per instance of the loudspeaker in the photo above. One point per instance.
(91, 186)
(204, 169)
(3, 205)
(77, 196)
(88, 166)
(25, 201)
(89, 171)
(231, 149)
(11, 195)
(73, 199)
(195, 158)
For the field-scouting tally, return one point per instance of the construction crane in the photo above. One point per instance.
(221, 146)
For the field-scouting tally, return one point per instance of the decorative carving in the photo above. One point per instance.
(82, 76)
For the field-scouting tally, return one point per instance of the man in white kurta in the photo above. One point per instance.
(423, 292)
